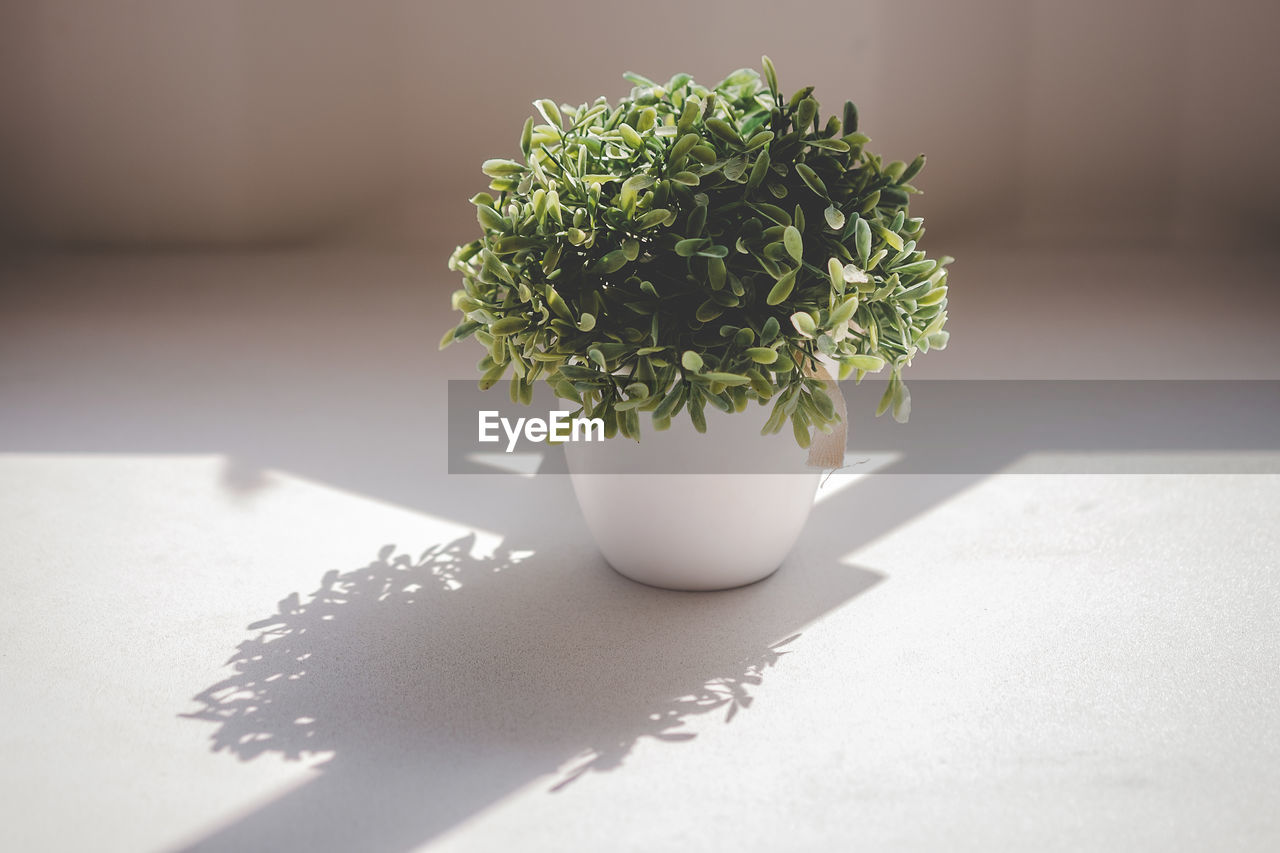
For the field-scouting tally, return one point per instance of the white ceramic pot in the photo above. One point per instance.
(690, 511)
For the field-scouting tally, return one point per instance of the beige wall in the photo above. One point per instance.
(162, 122)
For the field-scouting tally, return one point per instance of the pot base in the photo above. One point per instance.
(690, 582)
(691, 511)
(695, 531)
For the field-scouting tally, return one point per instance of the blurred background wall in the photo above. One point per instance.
(175, 123)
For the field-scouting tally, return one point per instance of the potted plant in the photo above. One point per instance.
(684, 254)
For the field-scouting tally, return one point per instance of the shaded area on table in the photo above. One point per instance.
(440, 683)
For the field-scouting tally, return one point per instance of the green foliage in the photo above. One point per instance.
(694, 246)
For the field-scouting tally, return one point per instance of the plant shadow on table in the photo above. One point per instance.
(430, 685)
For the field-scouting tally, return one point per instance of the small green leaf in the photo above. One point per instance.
(901, 403)
(500, 168)
(807, 112)
(919, 269)
(835, 270)
(853, 275)
(557, 303)
(696, 413)
(759, 170)
(770, 74)
(526, 136)
(728, 379)
(670, 402)
(774, 212)
(762, 386)
(912, 170)
(587, 322)
(689, 114)
(862, 237)
(708, 311)
(803, 323)
(800, 430)
(691, 361)
(727, 300)
(697, 220)
(762, 355)
(705, 154)
(491, 376)
(843, 313)
(834, 217)
(799, 96)
(724, 130)
(610, 262)
(829, 144)
(490, 219)
(579, 373)
(495, 268)
(889, 237)
(811, 179)
(630, 187)
(688, 248)
(634, 140)
(651, 219)
(782, 289)
(683, 146)
(850, 123)
(795, 245)
(716, 272)
(514, 243)
(825, 407)
(465, 303)
(870, 363)
(735, 167)
(850, 225)
(549, 111)
(770, 330)
(933, 297)
(886, 399)
(776, 419)
(508, 325)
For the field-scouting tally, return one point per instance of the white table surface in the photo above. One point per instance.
(214, 458)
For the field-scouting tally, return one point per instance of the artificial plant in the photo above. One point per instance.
(690, 247)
